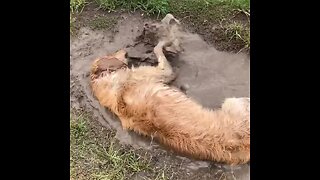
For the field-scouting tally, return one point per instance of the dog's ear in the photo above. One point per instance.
(121, 55)
(94, 69)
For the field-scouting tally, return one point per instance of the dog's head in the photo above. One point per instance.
(109, 64)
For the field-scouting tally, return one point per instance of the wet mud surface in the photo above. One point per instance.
(203, 73)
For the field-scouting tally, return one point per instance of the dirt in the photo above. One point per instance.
(204, 73)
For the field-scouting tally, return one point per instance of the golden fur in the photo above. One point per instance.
(144, 103)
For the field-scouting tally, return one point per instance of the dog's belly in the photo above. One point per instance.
(156, 107)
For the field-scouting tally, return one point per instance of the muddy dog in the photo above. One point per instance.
(146, 104)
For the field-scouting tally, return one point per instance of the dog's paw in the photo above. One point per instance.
(168, 19)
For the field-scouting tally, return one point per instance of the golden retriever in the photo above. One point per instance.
(146, 104)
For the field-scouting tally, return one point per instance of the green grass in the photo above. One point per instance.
(240, 4)
(95, 153)
(76, 6)
(165, 6)
(147, 6)
(208, 10)
(72, 26)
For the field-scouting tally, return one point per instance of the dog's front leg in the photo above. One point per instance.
(166, 72)
(161, 73)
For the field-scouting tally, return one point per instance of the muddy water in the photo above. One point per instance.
(205, 74)
(211, 76)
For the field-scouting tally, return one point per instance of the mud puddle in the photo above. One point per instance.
(205, 74)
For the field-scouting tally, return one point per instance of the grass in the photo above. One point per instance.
(72, 25)
(238, 32)
(208, 8)
(95, 153)
(163, 7)
(76, 6)
(240, 4)
(148, 6)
